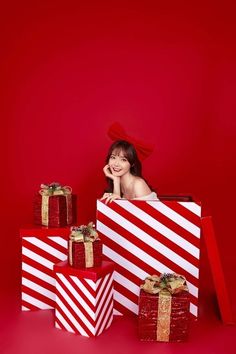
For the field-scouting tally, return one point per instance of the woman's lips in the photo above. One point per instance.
(116, 170)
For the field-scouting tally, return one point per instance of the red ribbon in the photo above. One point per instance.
(117, 132)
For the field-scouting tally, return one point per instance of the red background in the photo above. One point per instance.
(165, 71)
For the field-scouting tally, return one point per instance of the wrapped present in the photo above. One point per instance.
(150, 237)
(84, 298)
(42, 247)
(85, 248)
(164, 309)
(54, 206)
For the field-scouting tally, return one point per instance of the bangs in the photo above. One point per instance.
(118, 150)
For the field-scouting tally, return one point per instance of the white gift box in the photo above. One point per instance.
(84, 298)
(42, 247)
(150, 237)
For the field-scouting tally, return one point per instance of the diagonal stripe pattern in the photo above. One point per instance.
(39, 254)
(84, 306)
(150, 237)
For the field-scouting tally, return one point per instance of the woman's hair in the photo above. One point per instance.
(131, 155)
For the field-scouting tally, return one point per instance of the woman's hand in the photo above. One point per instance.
(110, 197)
(108, 173)
(116, 185)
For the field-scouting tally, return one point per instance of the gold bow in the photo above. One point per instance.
(83, 233)
(54, 189)
(173, 283)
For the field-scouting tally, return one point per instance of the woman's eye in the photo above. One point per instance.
(124, 160)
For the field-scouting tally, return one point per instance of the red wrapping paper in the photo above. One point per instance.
(60, 211)
(78, 254)
(148, 315)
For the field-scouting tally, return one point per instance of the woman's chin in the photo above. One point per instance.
(117, 174)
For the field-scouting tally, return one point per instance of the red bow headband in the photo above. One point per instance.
(117, 132)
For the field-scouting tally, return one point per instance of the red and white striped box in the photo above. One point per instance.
(84, 298)
(150, 237)
(42, 247)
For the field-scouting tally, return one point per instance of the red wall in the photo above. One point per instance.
(166, 72)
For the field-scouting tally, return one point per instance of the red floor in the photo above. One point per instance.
(34, 332)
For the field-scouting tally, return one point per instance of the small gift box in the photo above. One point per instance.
(85, 248)
(54, 206)
(164, 309)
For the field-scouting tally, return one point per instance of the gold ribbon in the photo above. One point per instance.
(44, 210)
(165, 286)
(89, 259)
(53, 189)
(163, 316)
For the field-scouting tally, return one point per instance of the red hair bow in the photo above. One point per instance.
(117, 132)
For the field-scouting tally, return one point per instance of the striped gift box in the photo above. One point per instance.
(150, 237)
(42, 247)
(84, 298)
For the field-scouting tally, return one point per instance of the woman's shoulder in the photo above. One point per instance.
(139, 181)
(141, 187)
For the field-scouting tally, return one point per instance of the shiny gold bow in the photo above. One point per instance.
(173, 283)
(84, 233)
(54, 189)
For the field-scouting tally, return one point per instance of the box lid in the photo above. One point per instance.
(94, 273)
(44, 231)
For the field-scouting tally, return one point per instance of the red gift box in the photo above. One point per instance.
(163, 316)
(85, 248)
(54, 207)
(85, 254)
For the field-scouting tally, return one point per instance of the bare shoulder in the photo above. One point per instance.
(141, 188)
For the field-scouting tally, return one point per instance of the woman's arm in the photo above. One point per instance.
(116, 186)
(115, 179)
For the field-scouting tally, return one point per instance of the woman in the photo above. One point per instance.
(124, 174)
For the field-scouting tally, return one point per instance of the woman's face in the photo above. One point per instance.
(118, 163)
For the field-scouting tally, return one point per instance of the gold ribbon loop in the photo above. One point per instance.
(54, 189)
(174, 283)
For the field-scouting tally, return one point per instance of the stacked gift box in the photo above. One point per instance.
(45, 245)
(84, 298)
(74, 268)
(62, 266)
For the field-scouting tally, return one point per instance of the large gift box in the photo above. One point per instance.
(85, 248)
(54, 206)
(150, 237)
(164, 309)
(84, 298)
(42, 247)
